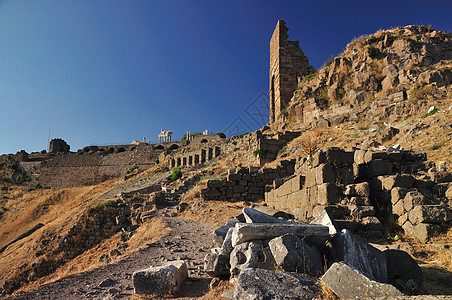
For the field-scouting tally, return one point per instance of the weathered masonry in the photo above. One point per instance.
(287, 63)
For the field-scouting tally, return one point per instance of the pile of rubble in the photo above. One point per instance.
(275, 258)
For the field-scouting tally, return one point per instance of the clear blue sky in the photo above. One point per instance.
(110, 71)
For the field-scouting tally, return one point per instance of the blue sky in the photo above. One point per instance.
(99, 72)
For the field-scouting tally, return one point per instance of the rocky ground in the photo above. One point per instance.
(188, 240)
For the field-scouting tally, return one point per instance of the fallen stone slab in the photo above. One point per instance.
(226, 247)
(326, 220)
(403, 271)
(160, 280)
(292, 254)
(255, 216)
(272, 212)
(265, 284)
(254, 254)
(220, 233)
(360, 255)
(244, 232)
(348, 283)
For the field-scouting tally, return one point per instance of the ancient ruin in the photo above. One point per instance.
(165, 136)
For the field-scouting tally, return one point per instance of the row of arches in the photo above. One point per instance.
(196, 158)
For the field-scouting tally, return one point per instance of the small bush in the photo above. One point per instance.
(22, 178)
(109, 203)
(132, 169)
(309, 77)
(372, 51)
(329, 61)
(418, 37)
(176, 174)
(243, 134)
(260, 153)
(321, 99)
(435, 147)
(222, 135)
(234, 143)
(421, 93)
(196, 133)
(283, 112)
(157, 161)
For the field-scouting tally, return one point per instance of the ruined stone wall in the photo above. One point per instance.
(287, 63)
(362, 188)
(246, 184)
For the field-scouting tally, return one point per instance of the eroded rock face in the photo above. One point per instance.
(265, 284)
(160, 280)
(292, 254)
(255, 254)
(348, 283)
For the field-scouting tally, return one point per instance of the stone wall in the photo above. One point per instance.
(246, 184)
(287, 63)
(361, 188)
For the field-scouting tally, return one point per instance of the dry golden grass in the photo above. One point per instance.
(326, 293)
(147, 233)
(216, 292)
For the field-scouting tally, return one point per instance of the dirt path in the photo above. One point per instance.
(189, 240)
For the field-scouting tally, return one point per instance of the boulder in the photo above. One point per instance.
(255, 254)
(360, 255)
(292, 254)
(244, 232)
(160, 280)
(403, 271)
(265, 284)
(255, 216)
(349, 283)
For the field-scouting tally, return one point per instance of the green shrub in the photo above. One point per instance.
(22, 178)
(109, 203)
(282, 150)
(418, 37)
(321, 99)
(435, 147)
(243, 134)
(132, 169)
(261, 153)
(196, 133)
(157, 161)
(234, 143)
(222, 135)
(309, 77)
(372, 51)
(329, 61)
(176, 174)
(283, 112)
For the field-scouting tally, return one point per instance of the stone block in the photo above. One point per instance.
(422, 231)
(371, 223)
(220, 233)
(365, 201)
(357, 189)
(414, 198)
(392, 181)
(234, 177)
(402, 219)
(373, 155)
(325, 219)
(324, 173)
(349, 283)
(429, 214)
(253, 254)
(328, 193)
(238, 189)
(345, 175)
(272, 212)
(359, 212)
(214, 183)
(398, 208)
(397, 194)
(284, 189)
(359, 157)
(301, 198)
(402, 269)
(160, 280)
(297, 183)
(360, 255)
(313, 195)
(244, 232)
(360, 171)
(292, 254)
(265, 284)
(255, 216)
(439, 190)
(448, 193)
(310, 177)
(217, 265)
(379, 167)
